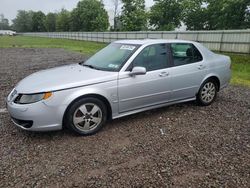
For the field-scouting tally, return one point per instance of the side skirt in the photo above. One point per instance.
(152, 107)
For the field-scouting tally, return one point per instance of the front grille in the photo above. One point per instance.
(23, 123)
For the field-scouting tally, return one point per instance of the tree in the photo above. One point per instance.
(247, 19)
(214, 14)
(4, 23)
(50, 22)
(23, 21)
(38, 22)
(165, 14)
(63, 21)
(116, 4)
(134, 16)
(227, 14)
(195, 14)
(89, 15)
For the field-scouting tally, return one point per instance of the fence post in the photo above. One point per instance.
(221, 40)
(197, 36)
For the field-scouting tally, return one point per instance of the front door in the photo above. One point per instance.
(150, 89)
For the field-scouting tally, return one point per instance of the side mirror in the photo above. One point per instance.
(138, 71)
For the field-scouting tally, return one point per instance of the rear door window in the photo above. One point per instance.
(185, 53)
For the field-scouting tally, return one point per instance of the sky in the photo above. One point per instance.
(10, 7)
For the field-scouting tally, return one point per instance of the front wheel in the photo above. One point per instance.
(207, 93)
(86, 116)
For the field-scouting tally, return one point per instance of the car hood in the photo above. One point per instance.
(64, 77)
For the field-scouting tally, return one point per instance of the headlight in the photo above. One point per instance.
(32, 98)
(12, 94)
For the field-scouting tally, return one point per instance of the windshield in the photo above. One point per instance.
(112, 57)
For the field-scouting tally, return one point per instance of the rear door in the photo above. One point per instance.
(187, 72)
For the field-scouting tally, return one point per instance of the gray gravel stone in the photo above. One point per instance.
(201, 146)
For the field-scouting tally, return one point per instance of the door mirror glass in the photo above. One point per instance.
(138, 71)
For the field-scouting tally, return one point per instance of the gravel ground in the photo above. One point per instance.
(181, 145)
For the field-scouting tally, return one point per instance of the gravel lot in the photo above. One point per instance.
(182, 145)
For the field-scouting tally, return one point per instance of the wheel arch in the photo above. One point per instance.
(215, 78)
(98, 96)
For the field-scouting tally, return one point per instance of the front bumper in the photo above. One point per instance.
(35, 117)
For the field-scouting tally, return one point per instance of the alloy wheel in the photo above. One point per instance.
(208, 92)
(87, 117)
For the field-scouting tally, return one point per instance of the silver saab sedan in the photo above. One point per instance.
(124, 78)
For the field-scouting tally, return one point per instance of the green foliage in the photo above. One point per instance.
(38, 22)
(134, 16)
(165, 14)
(23, 21)
(63, 20)
(89, 15)
(247, 19)
(227, 14)
(194, 14)
(240, 69)
(4, 23)
(214, 14)
(50, 22)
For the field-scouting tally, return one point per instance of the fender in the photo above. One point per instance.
(209, 76)
(105, 90)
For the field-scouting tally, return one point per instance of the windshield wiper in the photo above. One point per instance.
(90, 66)
(81, 62)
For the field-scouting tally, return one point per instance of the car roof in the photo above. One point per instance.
(152, 41)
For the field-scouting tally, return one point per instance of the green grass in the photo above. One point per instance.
(83, 47)
(240, 69)
(240, 62)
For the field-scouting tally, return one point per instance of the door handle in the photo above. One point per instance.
(164, 74)
(200, 67)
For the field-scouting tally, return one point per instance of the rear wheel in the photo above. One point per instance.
(86, 116)
(207, 93)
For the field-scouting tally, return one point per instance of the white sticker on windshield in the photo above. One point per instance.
(127, 47)
(113, 66)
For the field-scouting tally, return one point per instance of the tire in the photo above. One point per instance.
(86, 116)
(207, 93)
